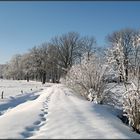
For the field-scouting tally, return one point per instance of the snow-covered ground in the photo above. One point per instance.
(14, 87)
(54, 111)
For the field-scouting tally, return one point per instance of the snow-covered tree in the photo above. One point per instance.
(131, 102)
(14, 68)
(26, 62)
(121, 51)
(135, 57)
(39, 57)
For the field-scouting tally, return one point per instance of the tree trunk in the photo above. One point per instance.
(44, 78)
(27, 77)
(126, 74)
(53, 80)
(126, 69)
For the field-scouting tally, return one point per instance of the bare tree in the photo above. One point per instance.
(68, 48)
(88, 45)
(54, 69)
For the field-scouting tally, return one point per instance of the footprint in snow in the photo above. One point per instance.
(41, 115)
(43, 119)
(45, 112)
(26, 134)
(32, 128)
(37, 122)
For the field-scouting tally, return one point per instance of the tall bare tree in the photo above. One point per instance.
(88, 45)
(69, 48)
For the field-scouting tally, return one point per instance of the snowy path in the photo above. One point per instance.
(58, 113)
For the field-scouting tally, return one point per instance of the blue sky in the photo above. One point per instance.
(26, 24)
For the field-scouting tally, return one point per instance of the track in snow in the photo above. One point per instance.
(31, 130)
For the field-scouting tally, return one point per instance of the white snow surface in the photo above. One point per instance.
(57, 112)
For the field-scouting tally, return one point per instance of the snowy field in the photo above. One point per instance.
(54, 111)
(14, 87)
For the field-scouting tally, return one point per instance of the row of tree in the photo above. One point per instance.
(50, 61)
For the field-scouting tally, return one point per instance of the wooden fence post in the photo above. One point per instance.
(2, 94)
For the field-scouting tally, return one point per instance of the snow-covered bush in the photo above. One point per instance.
(131, 102)
(87, 78)
(131, 108)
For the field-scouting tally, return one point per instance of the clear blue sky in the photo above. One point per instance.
(26, 24)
